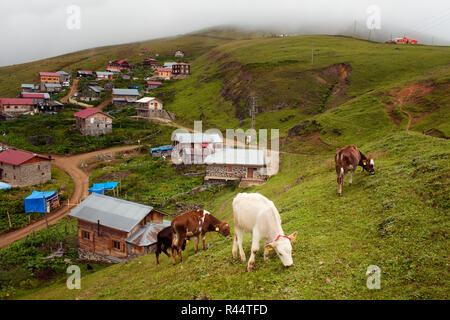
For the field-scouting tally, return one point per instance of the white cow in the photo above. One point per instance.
(256, 214)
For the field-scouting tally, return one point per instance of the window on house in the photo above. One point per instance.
(116, 244)
(86, 235)
(230, 169)
(39, 167)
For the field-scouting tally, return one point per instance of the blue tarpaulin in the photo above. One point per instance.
(163, 148)
(4, 186)
(101, 187)
(37, 201)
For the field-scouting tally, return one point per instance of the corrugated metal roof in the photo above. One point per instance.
(112, 212)
(35, 95)
(147, 99)
(197, 138)
(49, 74)
(52, 85)
(126, 92)
(28, 85)
(237, 157)
(147, 235)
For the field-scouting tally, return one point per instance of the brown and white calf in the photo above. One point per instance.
(164, 242)
(195, 224)
(256, 214)
(347, 160)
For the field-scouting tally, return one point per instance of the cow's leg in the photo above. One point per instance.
(197, 239)
(239, 233)
(255, 248)
(351, 177)
(174, 246)
(157, 252)
(235, 246)
(204, 241)
(180, 241)
(340, 181)
(266, 251)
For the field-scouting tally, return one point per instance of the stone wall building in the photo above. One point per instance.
(16, 106)
(24, 169)
(93, 122)
(237, 164)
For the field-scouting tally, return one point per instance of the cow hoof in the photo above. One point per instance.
(340, 194)
(249, 269)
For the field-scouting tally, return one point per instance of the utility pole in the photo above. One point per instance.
(253, 111)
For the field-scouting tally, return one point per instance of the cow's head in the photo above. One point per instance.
(368, 165)
(283, 247)
(224, 229)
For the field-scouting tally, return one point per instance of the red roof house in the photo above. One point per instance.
(23, 169)
(93, 122)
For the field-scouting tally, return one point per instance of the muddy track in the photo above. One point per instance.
(71, 166)
(73, 89)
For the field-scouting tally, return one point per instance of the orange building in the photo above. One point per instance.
(49, 77)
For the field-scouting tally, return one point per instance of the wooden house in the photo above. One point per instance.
(16, 106)
(118, 66)
(39, 99)
(64, 76)
(148, 63)
(112, 229)
(163, 73)
(91, 91)
(85, 74)
(150, 85)
(179, 54)
(104, 75)
(24, 169)
(93, 122)
(123, 97)
(51, 87)
(152, 109)
(228, 164)
(28, 87)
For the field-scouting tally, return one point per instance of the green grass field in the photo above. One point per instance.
(356, 92)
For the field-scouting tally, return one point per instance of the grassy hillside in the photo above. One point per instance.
(397, 220)
(391, 101)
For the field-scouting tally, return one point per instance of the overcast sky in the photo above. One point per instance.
(31, 30)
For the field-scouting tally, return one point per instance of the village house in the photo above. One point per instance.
(123, 97)
(52, 87)
(190, 148)
(179, 54)
(150, 85)
(148, 63)
(39, 99)
(24, 169)
(27, 87)
(51, 107)
(64, 76)
(163, 73)
(85, 74)
(16, 106)
(245, 165)
(104, 75)
(181, 69)
(168, 64)
(152, 108)
(118, 66)
(91, 91)
(49, 78)
(92, 122)
(112, 229)
(109, 86)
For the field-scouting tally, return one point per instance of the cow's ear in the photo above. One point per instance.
(293, 236)
(270, 246)
(365, 162)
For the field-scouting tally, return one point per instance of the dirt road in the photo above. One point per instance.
(73, 89)
(70, 165)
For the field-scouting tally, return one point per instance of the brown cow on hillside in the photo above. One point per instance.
(195, 224)
(164, 242)
(347, 160)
